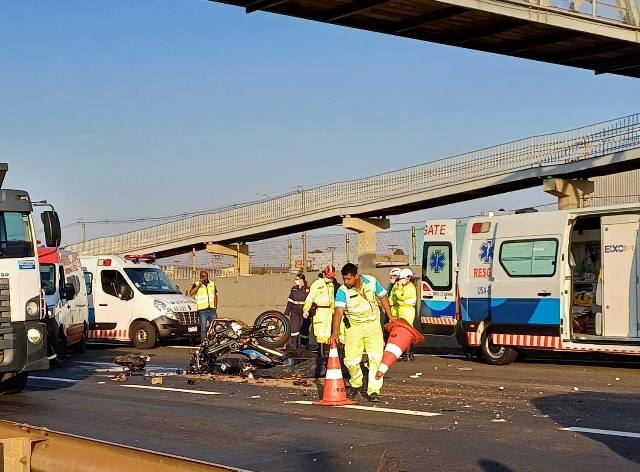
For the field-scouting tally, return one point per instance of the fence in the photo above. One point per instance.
(622, 11)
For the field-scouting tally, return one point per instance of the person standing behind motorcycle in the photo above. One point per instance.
(295, 304)
(322, 295)
(206, 295)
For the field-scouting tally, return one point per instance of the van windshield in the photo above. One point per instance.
(151, 281)
(15, 235)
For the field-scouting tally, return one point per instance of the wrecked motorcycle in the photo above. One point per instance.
(231, 346)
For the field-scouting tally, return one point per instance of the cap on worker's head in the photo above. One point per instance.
(406, 274)
(394, 272)
(329, 271)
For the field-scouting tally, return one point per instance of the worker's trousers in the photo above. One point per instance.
(322, 320)
(361, 338)
(406, 312)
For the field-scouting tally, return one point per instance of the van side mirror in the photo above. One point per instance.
(52, 231)
(69, 291)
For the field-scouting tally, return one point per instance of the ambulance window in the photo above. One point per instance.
(114, 284)
(88, 280)
(436, 265)
(532, 258)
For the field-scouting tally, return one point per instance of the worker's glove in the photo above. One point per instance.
(305, 314)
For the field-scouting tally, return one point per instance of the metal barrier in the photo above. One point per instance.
(551, 149)
(24, 448)
(619, 11)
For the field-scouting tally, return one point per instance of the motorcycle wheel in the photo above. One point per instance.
(280, 335)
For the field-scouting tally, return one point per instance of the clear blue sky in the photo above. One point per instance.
(121, 108)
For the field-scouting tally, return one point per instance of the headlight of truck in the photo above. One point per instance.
(32, 308)
(164, 309)
(34, 335)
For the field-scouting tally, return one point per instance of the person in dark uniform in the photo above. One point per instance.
(295, 304)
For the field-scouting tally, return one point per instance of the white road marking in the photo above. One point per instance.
(169, 389)
(449, 356)
(183, 347)
(54, 379)
(606, 432)
(374, 408)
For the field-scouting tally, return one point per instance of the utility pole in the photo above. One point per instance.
(193, 262)
(304, 252)
(84, 230)
(347, 248)
(290, 247)
(414, 246)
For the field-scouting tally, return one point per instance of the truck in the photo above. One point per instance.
(66, 302)
(23, 339)
(132, 300)
(565, 280)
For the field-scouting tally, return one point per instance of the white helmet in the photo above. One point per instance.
(406, 274)
(395, 272)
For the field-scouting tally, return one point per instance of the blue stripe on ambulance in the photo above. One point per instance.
(517, 311)
(438, 308)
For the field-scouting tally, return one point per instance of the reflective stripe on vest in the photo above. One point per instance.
(206, 296)
(362, 305)
(323, 296)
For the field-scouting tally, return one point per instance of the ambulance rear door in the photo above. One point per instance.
(438, 287)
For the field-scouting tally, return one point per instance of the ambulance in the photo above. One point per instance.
(560, 280)
(65, 296)
(131, 299)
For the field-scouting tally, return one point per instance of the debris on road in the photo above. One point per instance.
(120, 377)
(417, 375)
(134, 362)
(157, 380)
(465, 368)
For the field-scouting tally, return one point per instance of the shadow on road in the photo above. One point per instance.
(597, 410)
(489, 465)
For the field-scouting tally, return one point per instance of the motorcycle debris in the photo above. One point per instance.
(301, 383)
(157, 380)
(191, 382)
(120, 378)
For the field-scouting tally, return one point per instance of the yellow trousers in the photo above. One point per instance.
(358, 339)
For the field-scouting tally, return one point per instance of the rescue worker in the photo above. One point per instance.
(322, 296)
(404, 299)
(357, 299)
(294, 310)
(206, 295)
(394, 274)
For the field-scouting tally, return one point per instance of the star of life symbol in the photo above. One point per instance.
(486, 251)
(437, 261)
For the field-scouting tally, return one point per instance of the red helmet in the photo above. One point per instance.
(329, 271)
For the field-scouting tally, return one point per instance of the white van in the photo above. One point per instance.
(65, 297)
(561, 280)
(132, 299)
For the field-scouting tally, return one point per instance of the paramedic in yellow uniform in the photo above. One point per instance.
(321, 293)
(404, 297)
(357, 299)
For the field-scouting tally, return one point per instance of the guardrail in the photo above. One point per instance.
(551, 149)
(25, 448)
(619, 11)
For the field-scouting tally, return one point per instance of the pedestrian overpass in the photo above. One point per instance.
(598, 35)
(363, 204)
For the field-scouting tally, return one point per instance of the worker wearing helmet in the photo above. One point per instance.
(357, 299)
(404, 297)
(322, 295)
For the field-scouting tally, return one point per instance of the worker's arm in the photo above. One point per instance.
(310, 298)
(194, 289)
(386, 306)
(338, 313)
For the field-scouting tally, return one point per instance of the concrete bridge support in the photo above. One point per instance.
(240, 252)
(571, 193)
(367, 229)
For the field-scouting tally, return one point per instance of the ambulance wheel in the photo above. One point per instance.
(12, 383)
(144, 335)
(496, 355)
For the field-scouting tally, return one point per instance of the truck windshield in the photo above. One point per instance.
(151, 281)
(15, 235)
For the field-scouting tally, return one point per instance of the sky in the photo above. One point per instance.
(115, 109)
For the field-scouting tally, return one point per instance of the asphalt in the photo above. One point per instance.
(456, 415)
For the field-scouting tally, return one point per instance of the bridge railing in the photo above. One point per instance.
(619, 11)
(551, 149)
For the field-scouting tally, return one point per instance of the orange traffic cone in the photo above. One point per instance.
(335, 393)
(401, 336)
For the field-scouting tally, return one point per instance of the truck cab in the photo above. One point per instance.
(131, 299)
(65, 297)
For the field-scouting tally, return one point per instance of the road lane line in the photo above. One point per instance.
(183, 347)
(374, 408)
(606, 432)
(169, 389)
(54, 379)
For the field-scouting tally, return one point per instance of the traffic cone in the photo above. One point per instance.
(335, 393)
(401, 336)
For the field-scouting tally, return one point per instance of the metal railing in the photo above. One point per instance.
(619, 11)
(551, 149)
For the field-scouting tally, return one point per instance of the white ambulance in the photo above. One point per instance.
(560, 280)
(65, 296)
(132, 299)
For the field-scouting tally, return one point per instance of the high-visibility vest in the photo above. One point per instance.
(362, 305)
(404, 299)
(206, 296)
(320, 293)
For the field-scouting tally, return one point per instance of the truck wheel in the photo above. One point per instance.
(81, 346)
(12, 383)
(496, 355)
(144, 335)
